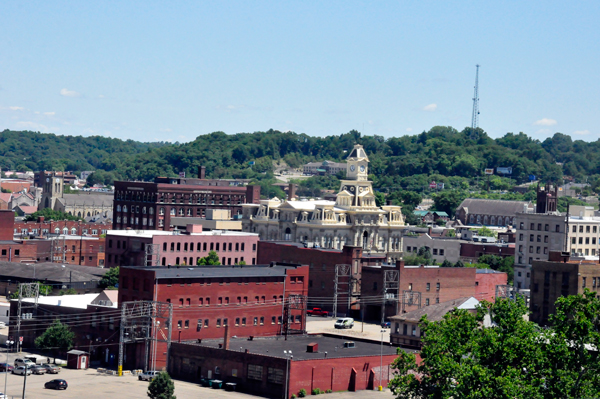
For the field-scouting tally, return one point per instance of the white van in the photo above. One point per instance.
(344, 322)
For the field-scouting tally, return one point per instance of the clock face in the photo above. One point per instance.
(362, 168)
(352, 168)
(56, 180)
(47, 179)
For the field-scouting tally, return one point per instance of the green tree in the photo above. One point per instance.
(447, 263)
(111, 278)
(57, 338)
(486, 232)
(459, 263)
(50, 214)
(45, 289)
(448, 200)
(211, 260)
(379, 199)
(161, 387)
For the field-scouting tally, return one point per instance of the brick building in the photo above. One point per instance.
(556, 277)
(260, 367)
(149, 206)
(43, 228)
(435, 284)
(250, 300)
(95, 323)
(128, 247)
(475, 211)
(366, 273)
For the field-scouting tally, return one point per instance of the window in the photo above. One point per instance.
(441, 252)
(557, 229)
(187, 324)
(254, 372)
(237, 321)
(218, 323)
(427, 302)
(581, 240)
(573, 240)
(178, 323)
(531, 226)
(539, 238)
(521, 226)
(262, 320)
(581, 229)
(374, 285)
(587, 229)
(587, 239)
(574, 229)
(531, 237)
(437, 300)
(243, 321)
(273, 319)
(427, 287)
(275, 376)
(520, 237)
(224, 322)
(546, 239)
(546, 227)
(583, 279)
(435, 251)
(437, 286)
(256, 320)
(205, 323)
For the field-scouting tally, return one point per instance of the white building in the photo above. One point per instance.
(540, 233)
(353, 219)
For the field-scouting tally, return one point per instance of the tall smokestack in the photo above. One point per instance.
(226, 338)
(201, 172)
(291, 191)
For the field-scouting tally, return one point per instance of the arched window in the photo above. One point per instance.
(124, 219)
(118, 219)
(478, 219)
(65, 231)
(493, 220)
(73, 231)
(173, 211)
(151, 211)
(288, 234)
(161, 211)
(178, 247)
(471, 219)
(144, 210)
(124, 208)
(118, 208)
(485, 220)
(500, 221)
(185, 246)
(57, 231)
(180, 211)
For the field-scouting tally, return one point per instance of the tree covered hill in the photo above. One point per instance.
(443, 154)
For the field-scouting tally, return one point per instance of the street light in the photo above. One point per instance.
(289, 357)
(8, 346)
(381, 362)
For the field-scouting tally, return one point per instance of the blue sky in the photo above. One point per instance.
(174, 70)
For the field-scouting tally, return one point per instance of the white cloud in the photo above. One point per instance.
(69, 93)
(409, 129)
(49, 113)
(430, 107)
(101, 96)
(545, 122)
(582, 132)
(166, 130)
(16, 108)
(32, 126)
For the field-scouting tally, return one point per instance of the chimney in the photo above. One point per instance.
(201, 172)
(429, 231)
(291, 191)
(41, 219)
(226, 338)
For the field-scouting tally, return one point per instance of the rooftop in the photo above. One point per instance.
(274, 346)
(68, 301)
(438, 311)
(217, 271)
(52, 272)
(152, 233)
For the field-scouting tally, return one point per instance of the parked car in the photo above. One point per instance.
(386, 324)
(51, 368)
(56, 384)
(21, 370)
(317, 312)
(148, 375)
(6, 367)
(3, 396)
(23, 362)
(344, 322)
(37, 369)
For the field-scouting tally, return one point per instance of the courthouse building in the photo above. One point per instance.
(353, 219)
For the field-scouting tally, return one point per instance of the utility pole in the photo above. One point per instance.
(475, 116)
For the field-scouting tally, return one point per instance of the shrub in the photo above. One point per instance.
(328, 391)
(294, 396)
(316, 391)
(302, 393)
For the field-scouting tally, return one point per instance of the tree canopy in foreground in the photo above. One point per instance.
(514, 358)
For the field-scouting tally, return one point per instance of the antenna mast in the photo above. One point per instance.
(475, 117)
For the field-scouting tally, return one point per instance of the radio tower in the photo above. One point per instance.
(475, 117)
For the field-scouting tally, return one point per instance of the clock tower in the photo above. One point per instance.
(52, 189)
(356, 191)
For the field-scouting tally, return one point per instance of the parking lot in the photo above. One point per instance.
(89, 384)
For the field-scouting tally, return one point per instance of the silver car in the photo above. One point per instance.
(21, 370)
(148, 375)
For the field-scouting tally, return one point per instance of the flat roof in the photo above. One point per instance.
(274, 346)
(67, 301)
(151, 233)
(217, 271)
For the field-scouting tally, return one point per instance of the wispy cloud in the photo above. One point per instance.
(409, 129)
(582, 132)
(49, 113)
(32, 125)
(16, 108)
(545, 122)
(430, 107)
(69, 93)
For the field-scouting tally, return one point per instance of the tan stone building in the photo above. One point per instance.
(353, 219)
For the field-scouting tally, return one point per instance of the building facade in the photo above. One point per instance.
(538, 234)
(150, 206)
(250, 300)
(486, 212)
(129, 247)
(556, 277)
(323, 168)
(353, 219)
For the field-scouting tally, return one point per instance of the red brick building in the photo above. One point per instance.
(149, 206)
(441, 284)
(366, 275)
(260, 366)
(471, 251)
(43, 228)
(128, 247)
(251, 300)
